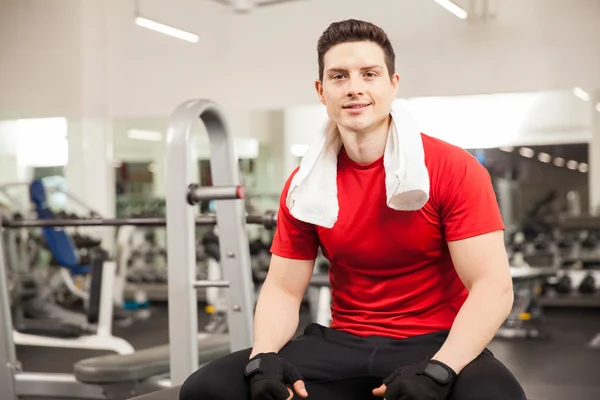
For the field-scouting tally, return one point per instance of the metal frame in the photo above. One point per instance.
(181, 238)
(8, 358)
(268, 220)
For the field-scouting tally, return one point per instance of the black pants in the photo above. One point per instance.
(338, 365)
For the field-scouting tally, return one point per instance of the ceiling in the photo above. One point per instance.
(69, 58)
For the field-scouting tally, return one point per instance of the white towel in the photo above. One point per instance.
(312, 196)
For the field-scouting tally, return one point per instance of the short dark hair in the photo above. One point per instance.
(353, 30)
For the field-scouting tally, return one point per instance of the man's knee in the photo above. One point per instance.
(199, 386)
(486, 378)
(222, 379)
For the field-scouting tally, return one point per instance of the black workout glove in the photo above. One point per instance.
(427, 380)
(270, 376)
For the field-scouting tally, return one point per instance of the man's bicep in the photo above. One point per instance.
(290, 275)
(480, 258)
(469, 205)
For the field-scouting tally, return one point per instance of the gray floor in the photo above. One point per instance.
(560, 368)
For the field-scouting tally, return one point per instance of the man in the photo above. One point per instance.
(416, 295)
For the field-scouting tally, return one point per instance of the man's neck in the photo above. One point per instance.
(366, 147)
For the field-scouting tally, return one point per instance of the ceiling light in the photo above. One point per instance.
(453, 8)
(526, 152)
(559, 162)
(544, 157)
(507, 149)
(582, 94)
(572, 164)
(167, 30)
(598, 107)
(151, 136)
(583, 167)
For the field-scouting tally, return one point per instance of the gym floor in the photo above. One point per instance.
(558, 368)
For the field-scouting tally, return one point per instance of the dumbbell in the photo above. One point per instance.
(162, 275)
(590, 242)
(564, 243)
(564, 285)
(257, 246)
(212, 250)
(149, 275)
(541, 243)
(210, 238)
(135, 276)
(588, 285)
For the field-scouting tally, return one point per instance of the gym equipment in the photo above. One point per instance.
(588, 285)
(42, 322)
(590, 241)
(122, 376)
(564, 285)
(526, 317)
(577, 255)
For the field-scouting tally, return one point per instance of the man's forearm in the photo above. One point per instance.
(476, 324)
(275, 319)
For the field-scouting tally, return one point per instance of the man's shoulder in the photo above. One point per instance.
(439, 153)
(287, 183)
(290, 177)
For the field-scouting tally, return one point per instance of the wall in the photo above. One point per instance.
(301, 125)
(11, 169)
(269, 172)
(39, 58)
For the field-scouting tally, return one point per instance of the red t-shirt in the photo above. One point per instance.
(390, 271)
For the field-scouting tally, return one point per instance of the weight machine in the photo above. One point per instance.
(122, 376)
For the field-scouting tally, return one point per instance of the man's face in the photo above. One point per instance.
(356, 88)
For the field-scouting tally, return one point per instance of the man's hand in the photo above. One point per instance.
(271, 376)
(427, 380)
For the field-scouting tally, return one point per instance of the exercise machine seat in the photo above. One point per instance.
(59, 242)
(167, 394)
(144, 364)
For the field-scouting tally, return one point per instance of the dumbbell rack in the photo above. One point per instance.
(575, 255)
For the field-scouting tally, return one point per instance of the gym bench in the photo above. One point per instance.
(117, 369)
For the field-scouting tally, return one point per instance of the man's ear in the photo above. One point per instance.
(319, 89)
(395, 82)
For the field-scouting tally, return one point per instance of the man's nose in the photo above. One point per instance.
(355, 86)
